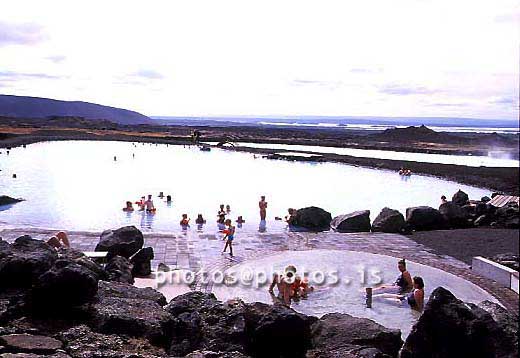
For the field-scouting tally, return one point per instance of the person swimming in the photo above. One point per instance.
(240, 220)
(129, 206)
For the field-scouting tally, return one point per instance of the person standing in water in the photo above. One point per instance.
(262, 204)
(149, 204)
(230, 235)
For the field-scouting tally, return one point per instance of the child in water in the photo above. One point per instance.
(129, 206)
(230, 235)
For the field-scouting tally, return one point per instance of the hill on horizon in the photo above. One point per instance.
(36, 107)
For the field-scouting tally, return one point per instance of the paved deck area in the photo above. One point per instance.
(194, 250)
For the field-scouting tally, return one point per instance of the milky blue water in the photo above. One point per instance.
(77, 185)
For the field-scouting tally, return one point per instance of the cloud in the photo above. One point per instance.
(150, 74)
(331, 85)
(405, 90)
(505, 100)
(56, 58)
(21, 34)
(445, 104)
(361, 70)
(17, 76)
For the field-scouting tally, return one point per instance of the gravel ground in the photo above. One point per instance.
(464, 244)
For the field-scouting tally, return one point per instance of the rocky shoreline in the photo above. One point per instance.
(62, 304)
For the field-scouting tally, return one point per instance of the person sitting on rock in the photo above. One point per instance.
(129, 206)
(59, 240)
(443, 199)
(402, 284)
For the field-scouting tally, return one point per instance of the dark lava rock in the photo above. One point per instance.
(257, 329)
(484, 220)
(507, 339)
(81, 259)
(449, 327)
(510, 260)
(28, 343)
(270, 327)
(125, 241)
(7, 200)
(389, 220)
(203, 323)
(81, 342)
(485, 199)
(358, 221)
(66, 285)
(32, 355)
(508, 217)
(425, 218)
(22, 262)
(335, 331)
(454, 214)
(347, 351)
(312, 218)
(211, 354)
(119, 269)
(125, 290)
(133, 317)
(460, 198)
(141, 262)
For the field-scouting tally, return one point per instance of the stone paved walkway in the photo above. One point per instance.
(194, 250)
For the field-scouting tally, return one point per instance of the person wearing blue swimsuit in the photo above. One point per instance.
(230, 235)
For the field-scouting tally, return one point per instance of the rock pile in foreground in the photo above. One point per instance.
(61, 304)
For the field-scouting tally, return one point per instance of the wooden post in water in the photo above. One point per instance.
(368, 297)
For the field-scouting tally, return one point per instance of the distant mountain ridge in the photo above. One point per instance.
(36, 107)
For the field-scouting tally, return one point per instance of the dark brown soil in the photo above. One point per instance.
(464, 244)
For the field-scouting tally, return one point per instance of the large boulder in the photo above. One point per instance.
(82, 342)
(133, 317)
(28, 343)
(510, 260)
(425, 218)
(65, 286)
(7, 200)
(449, 327)
(337, 331)
(125, 241)
(454, 214)
(125, 290)
(81, 259)
(22, 262)
(508, 217)
(507, 339)
(270, 327)
(142, 262)
(358, 221)
(389, 220)
(347, 351)
(460, 198)
(312, 218)
(201, 322)
(119, 269)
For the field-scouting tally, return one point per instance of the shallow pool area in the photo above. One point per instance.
(83, 185)
(354, 271)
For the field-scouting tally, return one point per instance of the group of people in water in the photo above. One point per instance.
(405, 172)
(405, 290)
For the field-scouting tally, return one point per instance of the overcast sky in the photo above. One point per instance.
(260, 57)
